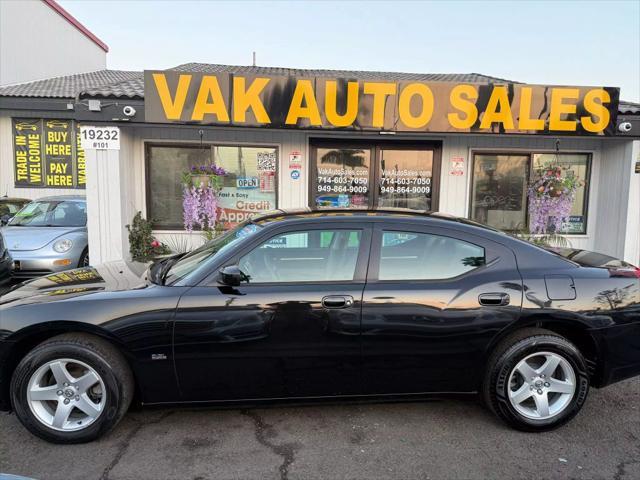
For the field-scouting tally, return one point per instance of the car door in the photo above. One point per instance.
(434, 299)
(291, 331)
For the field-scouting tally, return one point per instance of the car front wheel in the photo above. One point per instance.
(72, 388)
(536, 380)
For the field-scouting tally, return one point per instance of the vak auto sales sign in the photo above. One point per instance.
(351, 104)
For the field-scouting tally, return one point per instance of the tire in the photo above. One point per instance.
(520, 402)
(87, 358)
(84, 259)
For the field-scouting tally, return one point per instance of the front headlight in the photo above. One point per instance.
(63, 245)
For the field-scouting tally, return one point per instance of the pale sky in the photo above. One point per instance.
(590, 43)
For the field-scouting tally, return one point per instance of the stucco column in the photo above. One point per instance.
(106, 193)
(618, 213)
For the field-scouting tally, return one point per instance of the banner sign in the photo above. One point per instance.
(47, 153)
(342, 103)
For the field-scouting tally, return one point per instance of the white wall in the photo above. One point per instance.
(117, 181)
(36, 42)
(109, 187)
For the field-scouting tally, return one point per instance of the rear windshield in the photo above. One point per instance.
(587, 258)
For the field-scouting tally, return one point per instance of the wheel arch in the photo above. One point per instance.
(571, 328)
(22, 342)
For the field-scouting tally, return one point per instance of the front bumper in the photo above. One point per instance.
(29, 264)
(619, 348)
(6, 268)
(5, 347)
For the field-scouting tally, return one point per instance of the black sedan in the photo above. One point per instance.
(311, 305)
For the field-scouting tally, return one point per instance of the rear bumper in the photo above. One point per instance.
(619, 352)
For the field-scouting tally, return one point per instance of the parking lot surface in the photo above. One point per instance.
(440, 439)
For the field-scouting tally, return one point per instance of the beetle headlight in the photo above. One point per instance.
(63, 245)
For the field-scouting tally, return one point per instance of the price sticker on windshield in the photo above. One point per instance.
(99, 138)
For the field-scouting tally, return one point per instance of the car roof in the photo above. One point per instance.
(387, 213)
(13, 199)
(62, 198)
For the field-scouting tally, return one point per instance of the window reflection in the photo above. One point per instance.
(420, 256)
(305, 256)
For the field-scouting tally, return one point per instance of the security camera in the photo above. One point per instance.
(129, 111)
(625, 127)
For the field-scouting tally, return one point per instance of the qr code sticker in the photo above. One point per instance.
(266, 161)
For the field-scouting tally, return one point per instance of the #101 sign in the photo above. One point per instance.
(99, 138)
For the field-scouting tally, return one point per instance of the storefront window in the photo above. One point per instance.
(576, 165)
(342, 177)
(249, 186)
(499, 191)
(499, 188)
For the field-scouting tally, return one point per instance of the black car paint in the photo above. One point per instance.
(199, 340)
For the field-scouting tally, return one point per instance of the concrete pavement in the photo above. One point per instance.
(442, 439)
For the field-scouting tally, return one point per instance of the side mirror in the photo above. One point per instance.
(232, 276)
(4, 219)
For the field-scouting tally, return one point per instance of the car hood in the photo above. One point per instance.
(108, 277)
(34, 238)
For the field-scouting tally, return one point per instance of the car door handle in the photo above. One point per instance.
(494, 299)
(337, 301)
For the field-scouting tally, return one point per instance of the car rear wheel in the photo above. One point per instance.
(536, 380)
(72, 388)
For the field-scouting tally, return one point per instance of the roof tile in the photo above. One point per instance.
(68, 86)
(130, 84)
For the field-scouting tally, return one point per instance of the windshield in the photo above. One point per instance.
(191, 262)
(52, 213)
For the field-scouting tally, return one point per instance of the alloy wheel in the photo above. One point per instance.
(66, 395)
(542, 385)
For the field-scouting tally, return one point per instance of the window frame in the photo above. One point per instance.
(361, 262)
(375, 146)
(530, 170)
(491, 254)
(209, 145)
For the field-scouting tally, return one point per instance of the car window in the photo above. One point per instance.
(201, 257)
(51, 214)
(421, 256)
(304, 256)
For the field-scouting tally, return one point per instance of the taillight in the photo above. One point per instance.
(630, 271)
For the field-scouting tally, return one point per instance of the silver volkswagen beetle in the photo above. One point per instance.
(48, 235)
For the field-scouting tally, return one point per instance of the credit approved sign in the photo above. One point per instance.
(325, 103)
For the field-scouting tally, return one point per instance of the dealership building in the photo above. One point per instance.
(463, 144)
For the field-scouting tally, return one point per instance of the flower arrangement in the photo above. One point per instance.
(201, 185)
(551, 196)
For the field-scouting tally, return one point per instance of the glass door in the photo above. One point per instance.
(405, 178)
(359, 174)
